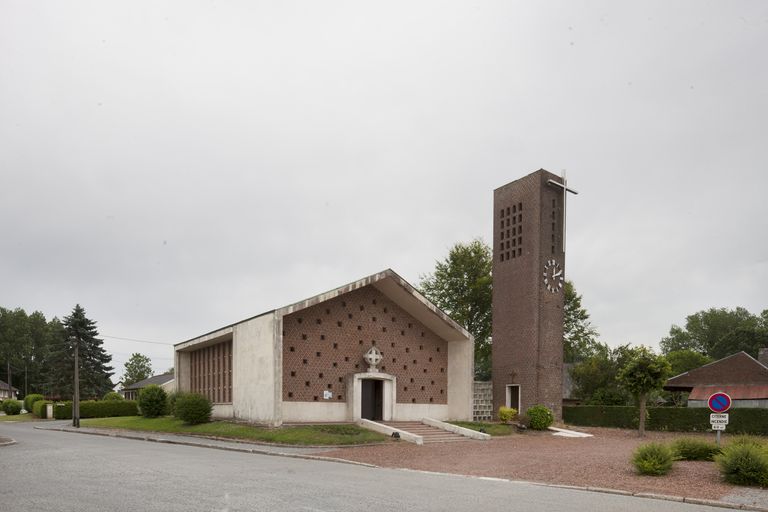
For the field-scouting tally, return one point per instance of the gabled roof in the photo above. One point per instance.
(4, 385)
(738, 369)
(158, 380)
(387, 282)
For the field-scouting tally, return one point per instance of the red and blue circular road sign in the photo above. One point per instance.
(719, 402)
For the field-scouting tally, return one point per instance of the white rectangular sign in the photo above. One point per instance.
(718, 426)
(718, 419)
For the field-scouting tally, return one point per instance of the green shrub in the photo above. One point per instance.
(39, 410)
(744, 464)
(113, 396)
(745, 440)
(62, 410)
(540, 417)
(29, 401)
(653, 459)
(674, 419)
(11, 407)
(96, 409)
(192, 408)
(688, 448)
(507, 414)
(153, 401)
(108, 408)
(172, 398)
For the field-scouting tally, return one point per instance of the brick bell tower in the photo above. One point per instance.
(528, 292)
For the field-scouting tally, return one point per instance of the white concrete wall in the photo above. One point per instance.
(461, 368)
(256, 370)
(223, 411)
(416, 412)
(170, 386)
(305, 412)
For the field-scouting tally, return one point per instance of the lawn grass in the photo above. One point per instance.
(493, 429)
(298, 435)
(18, 417)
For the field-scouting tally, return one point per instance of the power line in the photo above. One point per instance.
(136, 340)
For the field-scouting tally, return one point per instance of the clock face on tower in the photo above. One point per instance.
(553, 276)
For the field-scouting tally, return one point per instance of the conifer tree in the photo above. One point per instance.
(95, 371)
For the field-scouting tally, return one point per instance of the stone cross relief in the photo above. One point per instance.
(373, 357)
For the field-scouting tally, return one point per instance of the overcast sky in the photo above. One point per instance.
(178, 166)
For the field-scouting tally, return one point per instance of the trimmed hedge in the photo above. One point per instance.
(96, 409)
(29, 401)
(39, 410)
(674, 419)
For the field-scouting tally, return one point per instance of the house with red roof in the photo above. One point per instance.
(742, 377)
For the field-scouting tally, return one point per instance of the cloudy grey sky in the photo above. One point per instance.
(177, 166)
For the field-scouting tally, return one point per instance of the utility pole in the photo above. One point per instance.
(76, 397)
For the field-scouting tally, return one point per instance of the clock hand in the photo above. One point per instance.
(557, 274)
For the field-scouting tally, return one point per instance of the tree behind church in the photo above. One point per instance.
(138, 367)
(94, 370)
(579, 335)
(461, 286)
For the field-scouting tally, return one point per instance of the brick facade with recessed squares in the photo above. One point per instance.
(324, 343)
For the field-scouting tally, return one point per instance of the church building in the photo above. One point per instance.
(374, 349)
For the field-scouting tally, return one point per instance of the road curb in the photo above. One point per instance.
(151, 439)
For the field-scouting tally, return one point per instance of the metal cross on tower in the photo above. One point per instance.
(564, 186)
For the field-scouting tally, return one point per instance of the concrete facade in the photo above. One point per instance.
(304, 362)
(527, 345)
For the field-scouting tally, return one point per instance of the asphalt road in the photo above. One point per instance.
(58, 471)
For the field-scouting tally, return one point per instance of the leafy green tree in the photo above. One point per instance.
(681, 361)
(138, 367)
(644, 373)
(710, 332)
(95, 371)
(595, 378)
(461, 286)
(579, 336)
(13, 337)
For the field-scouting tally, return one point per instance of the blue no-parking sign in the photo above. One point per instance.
(719, 402)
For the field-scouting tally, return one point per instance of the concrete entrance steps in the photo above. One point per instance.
(427, 433)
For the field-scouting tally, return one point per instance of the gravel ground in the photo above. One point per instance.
(599, 461)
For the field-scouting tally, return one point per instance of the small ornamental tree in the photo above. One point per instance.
(153, 401)
(644, 373)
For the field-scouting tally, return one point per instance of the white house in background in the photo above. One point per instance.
(6, 390)
(166, 381)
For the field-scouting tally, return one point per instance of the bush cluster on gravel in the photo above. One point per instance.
(687, 448)
(539, 417)
(192, 408)
(744, 461)
(653, 459)
(153, 401)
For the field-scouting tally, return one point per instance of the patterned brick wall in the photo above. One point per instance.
(527, 318)
(324, 343)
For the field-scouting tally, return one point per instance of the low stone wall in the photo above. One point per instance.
(482, 406)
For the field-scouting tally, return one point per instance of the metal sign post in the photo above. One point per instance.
(719, 403)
